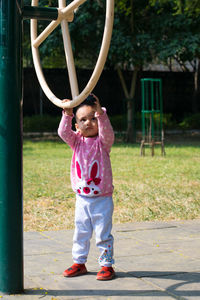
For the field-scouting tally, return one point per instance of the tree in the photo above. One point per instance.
(133, 42)
(132, 47)
(178, 23)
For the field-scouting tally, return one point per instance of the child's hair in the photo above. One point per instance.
(89, 101)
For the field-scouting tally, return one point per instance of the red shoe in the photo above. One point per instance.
(106, 273)
(75, 270)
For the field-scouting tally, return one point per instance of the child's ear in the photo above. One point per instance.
(76, 126)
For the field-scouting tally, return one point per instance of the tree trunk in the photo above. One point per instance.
(129, 96)
(195, 105)
(131, 130)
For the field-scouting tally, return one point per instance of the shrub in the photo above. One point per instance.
(39, 123)
(119, 122)
(191, 122)
(47, 123)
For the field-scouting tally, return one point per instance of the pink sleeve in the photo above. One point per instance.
(106, 133)
(65, 130)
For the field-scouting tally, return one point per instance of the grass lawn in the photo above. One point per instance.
(146, 188)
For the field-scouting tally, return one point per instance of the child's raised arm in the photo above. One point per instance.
(65, 127)
(98, 107)
(106, 133)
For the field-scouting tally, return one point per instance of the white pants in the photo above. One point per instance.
(93, 214)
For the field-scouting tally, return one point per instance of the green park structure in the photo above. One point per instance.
(11, 207)
(152, 115)
(12, 13)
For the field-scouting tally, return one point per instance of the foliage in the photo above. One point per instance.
(39, 123)
(144, 32)
(178, 35)
(132, 42)
(85, 42)
(119, 122)
(51, 51)
(47, 123)
(90, 19)
(189, 7)
(141, 33)
(191, 122)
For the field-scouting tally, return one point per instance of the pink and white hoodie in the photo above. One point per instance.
(91, 173)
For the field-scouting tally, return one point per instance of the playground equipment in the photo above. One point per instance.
(65, 15)
(152, 115)
(11, 208)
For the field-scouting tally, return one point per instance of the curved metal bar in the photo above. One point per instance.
(36, 41)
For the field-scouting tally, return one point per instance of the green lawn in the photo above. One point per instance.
(146, 188)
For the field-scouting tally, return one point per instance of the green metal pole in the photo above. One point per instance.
(11, 233)
(143, 108)
(40, 13)
(161, 107)
(152, 109)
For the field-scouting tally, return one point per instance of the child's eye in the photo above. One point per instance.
(93, 119)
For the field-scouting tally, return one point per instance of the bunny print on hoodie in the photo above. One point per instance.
(91, 173)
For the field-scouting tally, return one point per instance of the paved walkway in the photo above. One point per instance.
(154, 260)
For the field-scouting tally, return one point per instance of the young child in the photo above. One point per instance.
(91, 179)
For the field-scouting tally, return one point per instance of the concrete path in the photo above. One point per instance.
(154, 260)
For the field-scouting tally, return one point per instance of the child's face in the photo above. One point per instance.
(86, 122)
